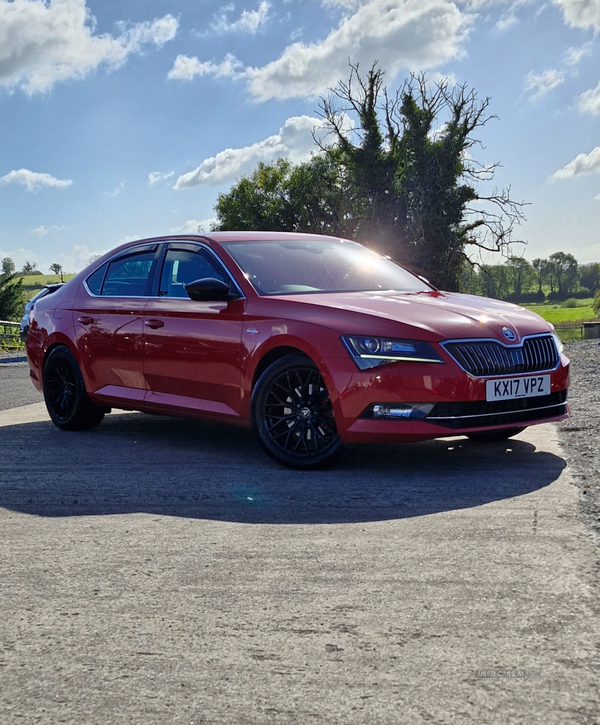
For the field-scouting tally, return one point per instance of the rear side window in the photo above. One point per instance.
(128, 276)
(94, 281)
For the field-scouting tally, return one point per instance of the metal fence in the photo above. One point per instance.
(9, 334)
(583, 331)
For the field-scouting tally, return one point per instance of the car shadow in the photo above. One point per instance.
(141, 463)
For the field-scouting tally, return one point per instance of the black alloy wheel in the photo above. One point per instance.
(292, 414)
(488, 436)
(65, 395)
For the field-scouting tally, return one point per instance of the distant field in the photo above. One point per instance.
(32, 283)
(564, 315)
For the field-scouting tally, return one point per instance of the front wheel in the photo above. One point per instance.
(292, 415)
(487, 436)
(65, 395)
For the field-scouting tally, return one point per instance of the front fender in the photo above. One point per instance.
(270, 337)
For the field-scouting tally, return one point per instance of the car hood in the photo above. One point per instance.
(444, 315)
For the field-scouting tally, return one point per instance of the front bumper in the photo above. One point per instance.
(458, 399)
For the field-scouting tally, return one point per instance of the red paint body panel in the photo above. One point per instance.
(201, 359)
(193, 360)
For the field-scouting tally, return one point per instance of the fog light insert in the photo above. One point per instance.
(415, 411)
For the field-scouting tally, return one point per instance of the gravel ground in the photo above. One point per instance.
(580, 436)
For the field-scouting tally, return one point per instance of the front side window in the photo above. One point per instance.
(183, 266)
(128, 276)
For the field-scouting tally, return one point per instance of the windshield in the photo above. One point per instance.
(296, 266)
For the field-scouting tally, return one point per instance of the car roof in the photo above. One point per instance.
(222, 237)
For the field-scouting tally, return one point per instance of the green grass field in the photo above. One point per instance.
(33, 283)
(568, 320)
(558, 315)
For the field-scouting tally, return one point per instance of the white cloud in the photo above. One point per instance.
(574, 55)
(346, 4)
(33, 180)
(21, 255)
(544, 82)
(116, 191)
(591, 253)
(589, 102)
(41, 231)
(185, 68)
(43, 42)
(193, 226)
(78, 258)
(508, 17)
(294, 142)
(73, 260)
(506, 22)
(582, 164)
(127, 238)
(411, 34)
(154, 177)
(250, 21)
(580, 13)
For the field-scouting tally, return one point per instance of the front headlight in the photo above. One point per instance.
(369, 352)
(558, 342)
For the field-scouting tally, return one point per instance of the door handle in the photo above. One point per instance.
(154, 324)
(85, 320)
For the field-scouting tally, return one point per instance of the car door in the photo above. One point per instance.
(192, 354)
(109, 325)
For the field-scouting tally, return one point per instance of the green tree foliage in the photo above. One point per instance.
(559, 277)
(11, 297)
(596, 303)
(589, 276)
(29, 268)
(58, 270)
(495, 281)
(404, 181)
(8, 266)
(412, 162)
(564, 267)
(309, 197)
(521, 273)
(540, 268)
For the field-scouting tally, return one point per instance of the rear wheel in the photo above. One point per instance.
(65, 395)
(292, 414)
(487, 436)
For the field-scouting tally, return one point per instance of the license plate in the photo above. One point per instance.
(512, 388)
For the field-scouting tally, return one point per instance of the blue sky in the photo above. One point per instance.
(124, 120)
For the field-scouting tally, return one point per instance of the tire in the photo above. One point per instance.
(65, 395)
(489, 436)
(292, 415)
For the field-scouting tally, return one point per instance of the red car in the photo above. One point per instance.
(315, 341)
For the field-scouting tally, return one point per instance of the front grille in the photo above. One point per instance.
(480, 413)
(482, 358)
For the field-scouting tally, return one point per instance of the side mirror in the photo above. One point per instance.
(209, 289)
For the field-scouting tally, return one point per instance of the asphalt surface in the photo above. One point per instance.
(164, 571)
(15, 386)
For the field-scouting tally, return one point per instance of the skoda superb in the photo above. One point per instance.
(316, 342)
